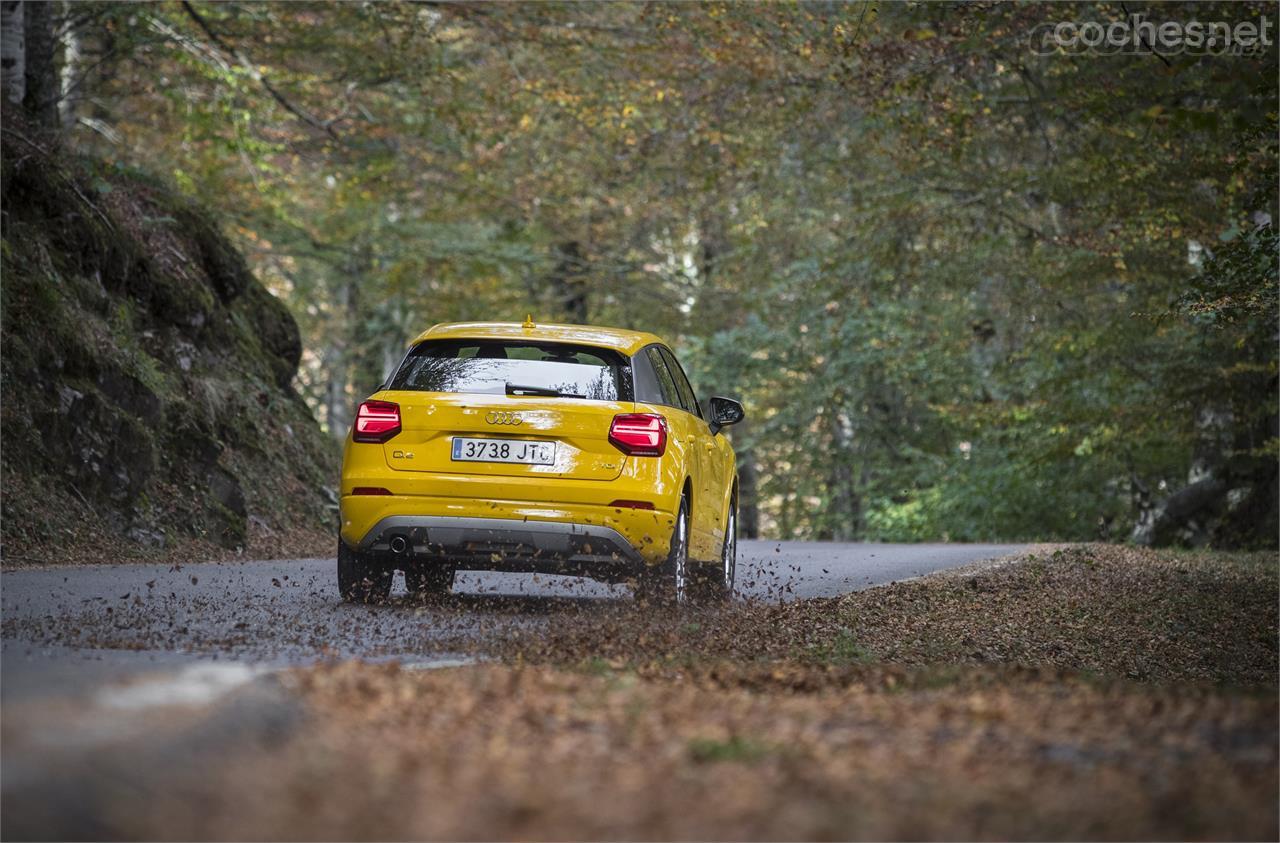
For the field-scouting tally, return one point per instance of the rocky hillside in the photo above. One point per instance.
(146, 401)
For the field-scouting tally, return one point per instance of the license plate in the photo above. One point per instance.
(468, 449)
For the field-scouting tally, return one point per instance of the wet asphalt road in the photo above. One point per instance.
(288, 611)
(280, 612)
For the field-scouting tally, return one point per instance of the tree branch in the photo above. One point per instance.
(325, 126)
(1143, 41)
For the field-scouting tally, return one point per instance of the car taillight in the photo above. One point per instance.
(376, 421)
(639, 434)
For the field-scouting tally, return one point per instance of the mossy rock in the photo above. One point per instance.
(225, 266)
(146, 373)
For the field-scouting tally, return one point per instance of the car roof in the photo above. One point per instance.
(619, 339)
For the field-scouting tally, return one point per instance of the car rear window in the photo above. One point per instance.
(488, 366)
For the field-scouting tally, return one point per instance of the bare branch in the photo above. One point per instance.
(325, 126)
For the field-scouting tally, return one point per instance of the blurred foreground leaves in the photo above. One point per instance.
(1096, 693)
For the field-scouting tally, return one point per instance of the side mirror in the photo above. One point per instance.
(724, 412)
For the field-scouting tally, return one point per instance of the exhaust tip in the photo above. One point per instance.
(399, 544)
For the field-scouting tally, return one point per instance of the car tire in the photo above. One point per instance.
(362, 579)
(668, 584)
(429, 579)
(715, 582)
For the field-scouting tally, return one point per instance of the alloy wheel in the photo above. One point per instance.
(680, 556)
(730, 553)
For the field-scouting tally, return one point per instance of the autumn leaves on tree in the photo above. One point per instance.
(967, 290)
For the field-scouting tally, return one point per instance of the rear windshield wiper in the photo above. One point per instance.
(517, 389)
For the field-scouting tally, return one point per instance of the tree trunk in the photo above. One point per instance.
(338, 360)
(710, 248)
(748, 486)
(1184, 517)
(103, 74)
(1189, 515)
(73, 68)
(784, 516)
(41, 98)
(336, 415)
(845, 511)
(568, 284)
(392, 353)
(708, 307)
(13, 63)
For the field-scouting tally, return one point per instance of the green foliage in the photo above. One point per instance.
(951, 279)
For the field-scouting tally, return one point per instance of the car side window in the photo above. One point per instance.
(647, 388)
(687, 396)
(670, 393)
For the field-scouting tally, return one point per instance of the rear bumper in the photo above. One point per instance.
(506, 544)
(508, 535)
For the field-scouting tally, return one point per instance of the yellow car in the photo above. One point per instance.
(561, 449)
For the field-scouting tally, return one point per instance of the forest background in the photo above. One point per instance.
(967, 288)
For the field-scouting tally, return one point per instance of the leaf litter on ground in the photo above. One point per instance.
(1093, 692)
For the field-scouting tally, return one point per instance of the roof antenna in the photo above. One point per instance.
(528, 321)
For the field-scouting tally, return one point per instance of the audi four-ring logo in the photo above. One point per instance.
(496, 417)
